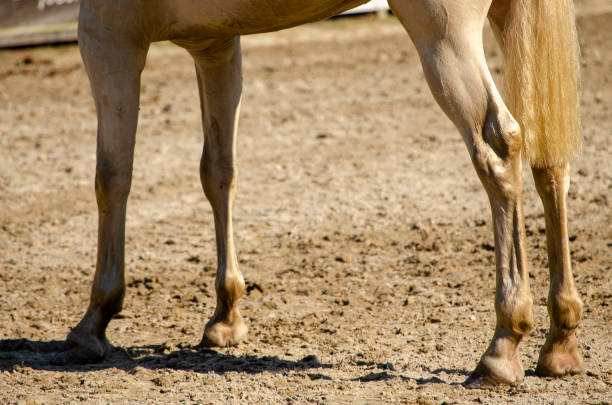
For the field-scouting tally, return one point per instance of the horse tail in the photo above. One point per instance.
(542, 78)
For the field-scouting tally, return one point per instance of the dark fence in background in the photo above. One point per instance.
(34, 22)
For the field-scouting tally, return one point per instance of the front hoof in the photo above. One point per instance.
(560, 358)
(495, 371)
(76, 355)
(223, 333)
(82, 349)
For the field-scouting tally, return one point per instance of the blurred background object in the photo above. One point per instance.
(35, 22)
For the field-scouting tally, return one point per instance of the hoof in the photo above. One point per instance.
(76, 355)
(560, 358)
(495, 371)
(82, 349)
(223, 334)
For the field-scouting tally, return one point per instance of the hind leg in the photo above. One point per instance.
(219, 73)
(559, 354)
(448, 37)
(114, 63)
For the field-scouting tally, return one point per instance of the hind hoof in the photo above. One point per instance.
(495, 369)
(225, 333)
(560, 358)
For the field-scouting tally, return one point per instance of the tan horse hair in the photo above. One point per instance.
(542, 78)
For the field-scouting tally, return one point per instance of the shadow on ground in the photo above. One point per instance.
(40, 354)
(18, 353)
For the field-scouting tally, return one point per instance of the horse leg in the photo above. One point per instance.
(113, 61)
(448, 38)
(559, 354)
(219, 72)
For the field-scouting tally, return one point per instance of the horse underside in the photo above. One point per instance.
(448, 37)
(188, 19)
(243, 18)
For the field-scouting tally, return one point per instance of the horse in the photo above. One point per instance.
(537, 118)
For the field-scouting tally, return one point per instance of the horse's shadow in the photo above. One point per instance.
(17, 353)
(40, 355)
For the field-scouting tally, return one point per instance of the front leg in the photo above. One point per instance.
(219, 72)
(114, 61)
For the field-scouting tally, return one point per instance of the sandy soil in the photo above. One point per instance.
(363, 233)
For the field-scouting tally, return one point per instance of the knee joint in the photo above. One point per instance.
(112, 184)
(497, 159)
(219, 173)
(502, 133)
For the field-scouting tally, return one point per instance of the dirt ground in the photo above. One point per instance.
(363, 232)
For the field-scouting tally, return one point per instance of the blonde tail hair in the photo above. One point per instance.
(542, 79)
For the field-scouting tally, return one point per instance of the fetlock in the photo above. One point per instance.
(560, 354)
(230, 290)
(565, 311)
(515, 313)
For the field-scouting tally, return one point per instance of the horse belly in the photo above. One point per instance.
(192, 18)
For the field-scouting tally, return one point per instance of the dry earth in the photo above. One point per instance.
(363, 233)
